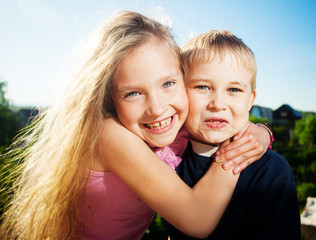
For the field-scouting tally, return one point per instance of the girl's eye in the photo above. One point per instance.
(168, 84)
(234, 90)
(132, 94)
(202, 87)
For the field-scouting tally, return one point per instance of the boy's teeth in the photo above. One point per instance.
(215, 121)
(159, 125)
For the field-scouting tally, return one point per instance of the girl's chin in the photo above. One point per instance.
(160, 141)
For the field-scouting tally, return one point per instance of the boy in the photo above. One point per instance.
(221, 90)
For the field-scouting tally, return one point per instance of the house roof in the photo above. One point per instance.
(286, 112)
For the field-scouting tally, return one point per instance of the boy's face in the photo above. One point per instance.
(220, 98)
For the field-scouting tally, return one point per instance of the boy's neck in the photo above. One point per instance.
(203, 149)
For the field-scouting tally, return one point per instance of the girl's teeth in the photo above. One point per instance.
(159, 125)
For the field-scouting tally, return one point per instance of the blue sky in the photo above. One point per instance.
(37, 36)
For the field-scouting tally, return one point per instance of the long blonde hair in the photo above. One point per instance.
(57, 149)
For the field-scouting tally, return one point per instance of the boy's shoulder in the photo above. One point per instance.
(271, 166)
(274, 159)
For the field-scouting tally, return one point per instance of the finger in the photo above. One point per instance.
(239, 150)
(233, 145)
(238, 169)
(242, 131)
(248, 157)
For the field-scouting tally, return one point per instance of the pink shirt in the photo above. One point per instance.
(111, 210)
(173, 153)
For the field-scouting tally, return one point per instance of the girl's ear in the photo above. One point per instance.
(252, 99)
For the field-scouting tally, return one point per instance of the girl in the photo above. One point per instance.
(85, 176)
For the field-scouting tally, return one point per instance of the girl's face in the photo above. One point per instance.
(149, 93)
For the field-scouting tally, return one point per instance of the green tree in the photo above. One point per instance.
(255, 119)
(9, 124)
(305, 131)
(157, 229)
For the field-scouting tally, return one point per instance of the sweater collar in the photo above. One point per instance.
(203, 149)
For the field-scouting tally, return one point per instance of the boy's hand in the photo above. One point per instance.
(247, 146)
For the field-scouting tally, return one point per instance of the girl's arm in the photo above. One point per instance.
(247, 146)
(194, 211)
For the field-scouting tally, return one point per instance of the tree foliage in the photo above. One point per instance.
(305, 131)
(3, 101)
(9, 124)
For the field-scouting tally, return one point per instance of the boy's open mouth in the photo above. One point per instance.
(159, 125)
(216, 123)
(211, 121)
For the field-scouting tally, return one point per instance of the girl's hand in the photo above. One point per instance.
(247, 146)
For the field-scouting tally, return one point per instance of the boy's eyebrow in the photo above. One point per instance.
(193, 81)
(201, 80)
(198, 80)
(239, 83)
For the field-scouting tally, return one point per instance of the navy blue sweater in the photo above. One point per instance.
(264, 204)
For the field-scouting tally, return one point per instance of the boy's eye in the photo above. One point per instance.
(132, 94)
(234, 90)
(202, 87)
(168, 84)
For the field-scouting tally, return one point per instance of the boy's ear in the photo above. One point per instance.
(252, 99)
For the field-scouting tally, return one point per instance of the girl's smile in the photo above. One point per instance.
(159, 125)
(149, 93)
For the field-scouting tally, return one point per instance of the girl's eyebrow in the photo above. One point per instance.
(124, 90)
(171, 75)
(130, 87)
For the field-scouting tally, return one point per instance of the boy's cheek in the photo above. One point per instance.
(193, 123)
(195, 103)
(190, 124)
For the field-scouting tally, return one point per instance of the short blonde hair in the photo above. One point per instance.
(216, 44)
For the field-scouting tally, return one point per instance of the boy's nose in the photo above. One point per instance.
(156, 106)
(217, 102)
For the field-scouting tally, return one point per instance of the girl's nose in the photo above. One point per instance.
(156, 105)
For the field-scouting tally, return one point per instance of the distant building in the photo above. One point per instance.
(261, 112)
(286, 114)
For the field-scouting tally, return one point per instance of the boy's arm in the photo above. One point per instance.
(247, 146)
(195, 211)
